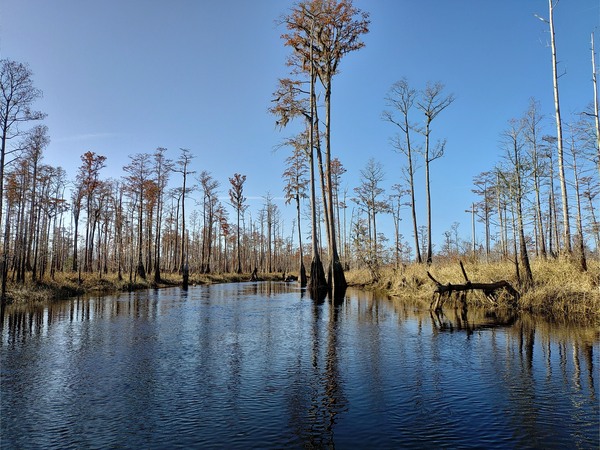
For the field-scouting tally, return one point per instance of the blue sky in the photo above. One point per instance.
(122, 77)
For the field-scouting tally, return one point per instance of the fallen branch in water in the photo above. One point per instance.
(443, 291)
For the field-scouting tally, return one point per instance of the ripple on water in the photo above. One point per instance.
(256, 365)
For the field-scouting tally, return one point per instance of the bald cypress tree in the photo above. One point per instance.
(321, 33)
(236, 195)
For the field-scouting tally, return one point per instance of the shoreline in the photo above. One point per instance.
(70, 285)
(560, 291)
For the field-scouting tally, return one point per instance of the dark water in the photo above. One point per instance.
(258, 366)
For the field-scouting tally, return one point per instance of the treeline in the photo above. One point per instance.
(163, 215)
(135, 226)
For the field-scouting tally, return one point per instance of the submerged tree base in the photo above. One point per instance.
(303, 278)
(317, 284)
(186, 276)
(337, 281)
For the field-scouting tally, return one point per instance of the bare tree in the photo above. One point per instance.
(368, 197)
(595, 114)
(17, 95)
(117, 198)
(559, 134)
(547, 154)
(209, 188)
(531, 131)
(269, 214)
(575, 135)
(162, 170)
(484, 187)
(56, 207)
(590, 192)
(35, 143)
(395, 202)
(182, 163)
(295, 189)
(401, 98)
(515, 180)
(431, 103)
(77, 196)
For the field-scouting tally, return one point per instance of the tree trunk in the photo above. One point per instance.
(532, 131)
(580, 242)
(561, 166)
(429, 257)
(32, 214)
(302, 274)
(528, 282)
(596, 117)
(501, 218)
(157, 235)
(119, 235)
(4, 262)
(337, 281)
(515, 252)
(141, 272)
(317, 284)
(239, 251)
(413, 206)
(183, 254)
(86, 259)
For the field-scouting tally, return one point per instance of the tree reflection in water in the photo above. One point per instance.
(263, 359)
(317, 396)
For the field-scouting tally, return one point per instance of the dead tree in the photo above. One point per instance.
(442, 292)
(559, 134)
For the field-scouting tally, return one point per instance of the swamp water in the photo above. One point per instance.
(259, 365)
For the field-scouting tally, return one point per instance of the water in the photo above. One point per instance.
(256, 365)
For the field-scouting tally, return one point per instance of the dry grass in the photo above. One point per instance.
(560, 288)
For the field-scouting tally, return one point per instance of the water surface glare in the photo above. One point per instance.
(258, 365)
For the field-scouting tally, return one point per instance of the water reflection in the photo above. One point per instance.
(261, 364)
(317, 397)
(470, 320)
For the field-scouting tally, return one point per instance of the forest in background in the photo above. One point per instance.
(166, 212)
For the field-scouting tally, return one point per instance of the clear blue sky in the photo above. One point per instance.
(126, 76)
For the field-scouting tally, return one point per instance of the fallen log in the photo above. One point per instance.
(443, 291)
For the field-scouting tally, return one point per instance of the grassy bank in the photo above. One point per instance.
(560, 289)
(70, 285)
